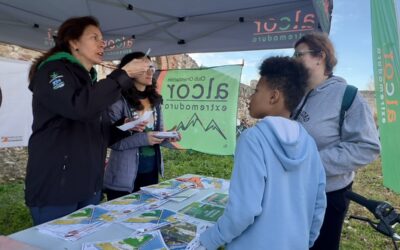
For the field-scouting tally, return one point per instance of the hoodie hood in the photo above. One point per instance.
(329, 81)
(287, 139)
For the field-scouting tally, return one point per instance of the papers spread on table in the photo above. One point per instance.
(131, 203)
(209, 209)
(153, 226)
(147, 241)
(167, 188)
(181, 232)
(146, 115)
(205, 182)
(78, 224)
(179, 197)
(149, 220)
(217, 199)
(203, 211)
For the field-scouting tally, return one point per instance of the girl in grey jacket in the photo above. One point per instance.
(136, 160)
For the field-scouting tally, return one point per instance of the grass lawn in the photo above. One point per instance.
(14, 215)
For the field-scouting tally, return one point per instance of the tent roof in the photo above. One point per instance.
(169, 27)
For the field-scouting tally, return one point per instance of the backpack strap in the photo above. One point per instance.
(348, 98)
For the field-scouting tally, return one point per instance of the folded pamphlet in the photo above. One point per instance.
(146, 115)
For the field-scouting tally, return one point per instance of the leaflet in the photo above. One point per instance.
(146, 241)
(203, 211)
(146, 115)
(167, 135)
(78, 224)
(149, 220)
(205, 182)
(167, 188)
(130, 203)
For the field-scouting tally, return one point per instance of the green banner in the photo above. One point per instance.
(202, 105)
(385, 45)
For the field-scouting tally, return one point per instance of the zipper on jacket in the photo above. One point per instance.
(65, 162)
(64, 168)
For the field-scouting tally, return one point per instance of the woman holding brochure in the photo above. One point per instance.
(71, 129)
(136, 160)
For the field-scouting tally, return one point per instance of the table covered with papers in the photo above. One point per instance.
(168, 215)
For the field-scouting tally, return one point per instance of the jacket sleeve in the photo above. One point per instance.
(320, 206)
(61, 89)
(116, 134)
(359, 144)
(165, 143)
(130, 140)
(249, 174)
(134, 141)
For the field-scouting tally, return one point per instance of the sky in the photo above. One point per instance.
(351, 37)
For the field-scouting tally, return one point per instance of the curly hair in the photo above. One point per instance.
(288, 76)
(132, 94)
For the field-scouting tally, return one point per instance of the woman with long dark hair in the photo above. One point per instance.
(136, 161)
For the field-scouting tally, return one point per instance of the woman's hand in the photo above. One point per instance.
(136, 67)
(139, 127)
(175, 139)
(153, 139)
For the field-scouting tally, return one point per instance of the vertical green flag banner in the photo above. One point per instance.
(385, 46)
(202, 105)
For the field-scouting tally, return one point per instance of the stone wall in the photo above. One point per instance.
(182, 61)
(246, 91)
(17, 52)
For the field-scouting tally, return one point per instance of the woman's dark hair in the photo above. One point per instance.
(133, 95)
(319, 42)
(288, 76)
(71, 29)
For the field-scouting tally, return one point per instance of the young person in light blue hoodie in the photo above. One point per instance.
(277, 192)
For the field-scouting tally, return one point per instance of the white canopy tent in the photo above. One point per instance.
(169, 27)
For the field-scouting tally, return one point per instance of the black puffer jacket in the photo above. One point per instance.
(71, 131)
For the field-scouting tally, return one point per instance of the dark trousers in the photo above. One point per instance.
(329, 236)
(47, 213)
(142, 180)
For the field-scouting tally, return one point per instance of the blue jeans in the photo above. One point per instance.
(47, 213)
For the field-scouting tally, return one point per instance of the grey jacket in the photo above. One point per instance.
(122, 167)
(359, 143)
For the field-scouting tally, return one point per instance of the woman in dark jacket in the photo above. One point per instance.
(71, 129)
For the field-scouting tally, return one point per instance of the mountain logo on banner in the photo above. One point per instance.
(194, 120)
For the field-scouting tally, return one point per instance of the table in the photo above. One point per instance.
(114, 231)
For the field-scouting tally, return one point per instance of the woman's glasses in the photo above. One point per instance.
(298, 54)
(152, 68)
